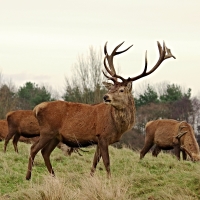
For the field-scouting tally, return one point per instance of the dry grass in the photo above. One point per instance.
(151, 178)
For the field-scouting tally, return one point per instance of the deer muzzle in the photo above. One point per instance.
(106, 99)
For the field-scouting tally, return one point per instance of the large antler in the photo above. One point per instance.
(165, 53)
(111, 69)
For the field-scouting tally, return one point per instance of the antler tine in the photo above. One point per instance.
(169, 54)
(110, 78)
(113, 76)
(105, 48)
(107, 69)
(109, 58)
(181, 134)
(114, 79)
(162, 51)
(160, 47)
(145, 67)
(115, 49)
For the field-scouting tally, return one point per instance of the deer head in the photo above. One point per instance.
(118, 90)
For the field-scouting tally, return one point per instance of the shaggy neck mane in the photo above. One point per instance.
(124, 118)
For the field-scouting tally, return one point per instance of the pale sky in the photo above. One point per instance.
(40, 40)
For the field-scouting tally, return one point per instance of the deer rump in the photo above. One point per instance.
(168, 134)
(22, 126)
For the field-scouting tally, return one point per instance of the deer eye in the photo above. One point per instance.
(121, 90)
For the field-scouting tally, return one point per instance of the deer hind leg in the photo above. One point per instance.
(156, 151)
(146, 148)
(96, 159)
(46, 151)
(8, 137)
(35, 148)
(15, 141)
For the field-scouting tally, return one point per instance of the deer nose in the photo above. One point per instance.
(105, 97)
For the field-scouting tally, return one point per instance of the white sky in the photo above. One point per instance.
(40, 40)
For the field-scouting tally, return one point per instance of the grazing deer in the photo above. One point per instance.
(169, 134)
(81, 125)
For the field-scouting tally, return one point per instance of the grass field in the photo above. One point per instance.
(151, 178)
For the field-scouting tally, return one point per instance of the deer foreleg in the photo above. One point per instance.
(96, 159)
(188, 152)
(103, 146)
(184, 154)
(177, 151)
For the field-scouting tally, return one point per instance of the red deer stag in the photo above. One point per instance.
(171, 134)
(22, 124)
(81, 125)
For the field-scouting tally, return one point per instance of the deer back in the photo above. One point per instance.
(23, 122)
(81, 122)
(163, 132)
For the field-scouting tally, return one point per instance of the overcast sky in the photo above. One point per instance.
(40, 40)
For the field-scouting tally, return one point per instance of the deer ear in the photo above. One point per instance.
(129, 86)
(107, 85)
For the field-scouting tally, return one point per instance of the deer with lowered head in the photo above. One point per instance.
(169, 134)
(81, 125)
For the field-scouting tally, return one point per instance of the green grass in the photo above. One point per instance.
(151, 178)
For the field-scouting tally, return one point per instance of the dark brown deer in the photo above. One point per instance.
(22, 125)
(81, 125)
(4, 133)
(3, 129)
(169, 134)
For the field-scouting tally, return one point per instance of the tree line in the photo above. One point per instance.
(163, 100)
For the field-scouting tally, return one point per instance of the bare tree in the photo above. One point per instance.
(8, 100)
(195, 115)
(161, 87)
(87, 78)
